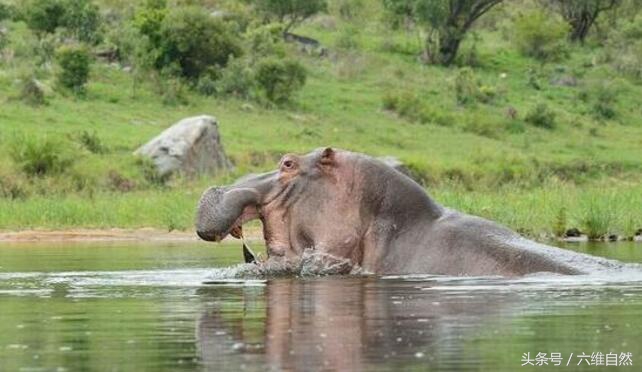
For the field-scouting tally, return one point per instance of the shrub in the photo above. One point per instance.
(39, 156)
(44, 15)
(466, 86)
(236, 79)
(541, 116)
(82, 19)
(291, 12)
(348, 38)
(206, 85)
(91, 142)
(6, 11)
(74, 62)
(541, 35)
(266, 40)
(624, 49)
(605, 99)
(280, 79)
(469, 90)
(195, 41)
(32, 91)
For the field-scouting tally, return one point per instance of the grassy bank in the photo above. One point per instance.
(483, 155)
(541, 212)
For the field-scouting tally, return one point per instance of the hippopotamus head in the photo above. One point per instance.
(314, 201)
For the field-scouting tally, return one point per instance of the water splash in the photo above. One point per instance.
(311, 263)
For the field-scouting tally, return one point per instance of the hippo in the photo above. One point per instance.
(355, 207)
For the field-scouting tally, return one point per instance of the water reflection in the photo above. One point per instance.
(114, 310)
(344, 324)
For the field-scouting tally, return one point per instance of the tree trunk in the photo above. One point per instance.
(448, 47)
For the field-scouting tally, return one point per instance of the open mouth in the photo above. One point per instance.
(249, 213)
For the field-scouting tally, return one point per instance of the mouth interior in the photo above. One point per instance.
(250, 213)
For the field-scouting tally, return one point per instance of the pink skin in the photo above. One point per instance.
(353, 207)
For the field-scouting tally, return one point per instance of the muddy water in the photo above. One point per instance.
(117, 307)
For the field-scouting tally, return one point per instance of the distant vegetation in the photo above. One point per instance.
(524, 111)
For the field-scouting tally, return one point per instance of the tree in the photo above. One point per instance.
(446, 21)
(582, 14)
(291, 12)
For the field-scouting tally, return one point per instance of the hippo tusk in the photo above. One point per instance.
(248, 255)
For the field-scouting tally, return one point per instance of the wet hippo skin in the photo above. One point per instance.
(352, 206)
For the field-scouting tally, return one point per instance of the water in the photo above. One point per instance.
(135, 307)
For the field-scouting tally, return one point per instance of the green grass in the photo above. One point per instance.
(475, 157)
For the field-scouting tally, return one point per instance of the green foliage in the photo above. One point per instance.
(237, 79)
(81, 18)
(39, 156)
(6, 11)
(44, 15)
(596, 218)
(280, 79)
(559, 227)
(193, 40)
(348, 38)
(407, 105)
(411, 106)
(541, 116)
(291, 12)
(91, 142)
(74, 62)
(582, 14)
(466, 86)
(540, 35)
(150, 173)
(32, 91)
(624, 49)
(446, 23)
(469, 90)
(265, 40)
(605, 99)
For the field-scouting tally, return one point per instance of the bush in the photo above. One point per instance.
(280, 79)
(541, 35)
(44, 15)
(266, 40)
(39, 156)
(82, 19)
(195, 41)
(348, 38)
(466, 86)
(236, 79)
(469, 90)
(291, 12)
(32, 91)
(605, 99)
(624, 49)
(6, 11)
(541, 116)
(91, 142)
(74, 62)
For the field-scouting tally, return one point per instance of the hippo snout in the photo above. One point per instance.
(220, 210)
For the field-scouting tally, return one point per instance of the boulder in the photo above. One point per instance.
(192, 146)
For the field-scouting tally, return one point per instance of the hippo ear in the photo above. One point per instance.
(327, 156)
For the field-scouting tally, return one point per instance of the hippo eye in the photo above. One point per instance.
(288, 164)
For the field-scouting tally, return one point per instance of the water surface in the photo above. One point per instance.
(124, 306)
